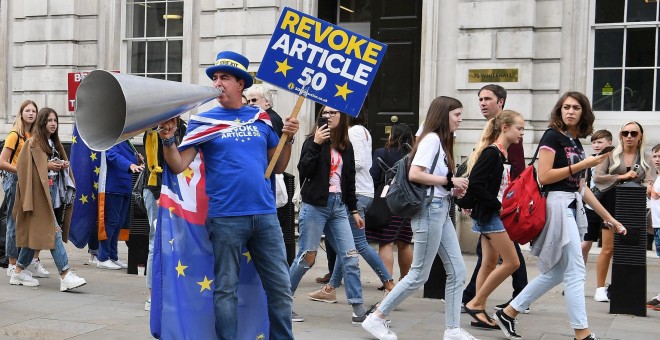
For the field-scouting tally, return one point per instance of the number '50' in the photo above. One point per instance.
(317, 80)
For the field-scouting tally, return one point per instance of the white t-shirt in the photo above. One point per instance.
(426, 151)
(655, 204)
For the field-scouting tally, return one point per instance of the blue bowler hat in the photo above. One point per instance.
(233, 63)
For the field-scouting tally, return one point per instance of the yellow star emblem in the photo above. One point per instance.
(180, 268)
(92, 156)
(93, 197)
(206, 284)
(237, 120)
(283, 66)
(83, 199)
(97, 170)
(249, 257)
(188, 173)
(74, 139)
(170, 209)
(342, 90)
(171, 243)
(96, 185)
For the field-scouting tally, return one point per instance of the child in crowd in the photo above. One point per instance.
(654, 192)
(599, 140)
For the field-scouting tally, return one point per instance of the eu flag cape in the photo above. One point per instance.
(183, 279)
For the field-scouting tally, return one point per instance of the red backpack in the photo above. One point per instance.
(523, 206)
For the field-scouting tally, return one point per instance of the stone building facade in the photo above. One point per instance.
(552, 45)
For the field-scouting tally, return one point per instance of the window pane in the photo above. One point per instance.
(609, 11)
(640, 47)
(174, 56)
(608, 48)
(157, 76)
(175, 19)
(642, 10)
(155, 20)
(638, 94)
(156, 56)
(174, 77)
(136, 26)
(137, 56)
(607, 90)
(355, 10)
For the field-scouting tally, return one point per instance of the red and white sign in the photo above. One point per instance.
(73, 81)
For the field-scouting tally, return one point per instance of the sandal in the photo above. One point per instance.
(480, 323)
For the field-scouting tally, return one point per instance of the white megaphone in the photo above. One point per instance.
(112, 107)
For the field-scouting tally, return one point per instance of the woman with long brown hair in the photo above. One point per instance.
(433, 228)
(327, 176)
(44, 195)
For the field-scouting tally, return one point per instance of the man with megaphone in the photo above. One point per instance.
(237, 143)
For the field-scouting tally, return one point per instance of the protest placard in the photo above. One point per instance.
(321, 61)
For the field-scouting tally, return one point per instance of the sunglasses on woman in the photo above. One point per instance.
(632, 134)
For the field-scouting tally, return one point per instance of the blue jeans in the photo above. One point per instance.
(9, 187)
(152, 214)
(434, 233)
(571, 271)
(334, 219)
(363, 247)
(116, 216)
(262, 236)
(59, 254)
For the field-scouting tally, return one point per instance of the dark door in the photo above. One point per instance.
(394, 94)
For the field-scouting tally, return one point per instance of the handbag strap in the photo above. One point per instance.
(435, 162)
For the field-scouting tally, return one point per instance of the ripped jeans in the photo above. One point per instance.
(312, 220)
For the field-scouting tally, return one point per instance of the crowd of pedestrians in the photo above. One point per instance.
(340, 178)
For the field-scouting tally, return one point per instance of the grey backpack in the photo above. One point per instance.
(405, 198)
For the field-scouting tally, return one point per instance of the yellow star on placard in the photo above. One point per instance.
(188, 173)
(97, 170)
(342, 90)
(92, 156)
(180, 268)
(249, 257)
(96, 185)
(171, 243)
(237, 120)
(283, 66)
(83, 199)
(74, 140)
(93, 197)
(206, 284)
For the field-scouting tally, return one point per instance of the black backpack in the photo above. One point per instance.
(405, 198)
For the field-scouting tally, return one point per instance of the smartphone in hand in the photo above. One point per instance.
(606, 150)
(322, 121)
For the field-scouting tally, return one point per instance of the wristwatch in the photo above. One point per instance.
(290, 141)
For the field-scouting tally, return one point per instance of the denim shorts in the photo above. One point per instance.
(494, 225)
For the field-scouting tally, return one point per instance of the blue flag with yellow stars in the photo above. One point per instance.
(86, 167)
(183, 279)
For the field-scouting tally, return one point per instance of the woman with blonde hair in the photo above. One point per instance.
(20, 132)
(488, 171)
(626, 164)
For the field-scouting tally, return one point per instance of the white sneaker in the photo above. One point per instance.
(601, 295)
(107, 264)
(23, 278)
(458, 334)
(120, 264)
(93, 259)
(11, 269)
(37, 270)
(71, 281)
(147, 305)
(378, 328)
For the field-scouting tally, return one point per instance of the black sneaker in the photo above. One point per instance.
(296, 318)
(503, 305)
(507, 325)
(591, 336)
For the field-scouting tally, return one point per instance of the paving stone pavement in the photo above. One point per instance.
(111, 306)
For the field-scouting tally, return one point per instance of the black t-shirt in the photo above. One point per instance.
(566, 150)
